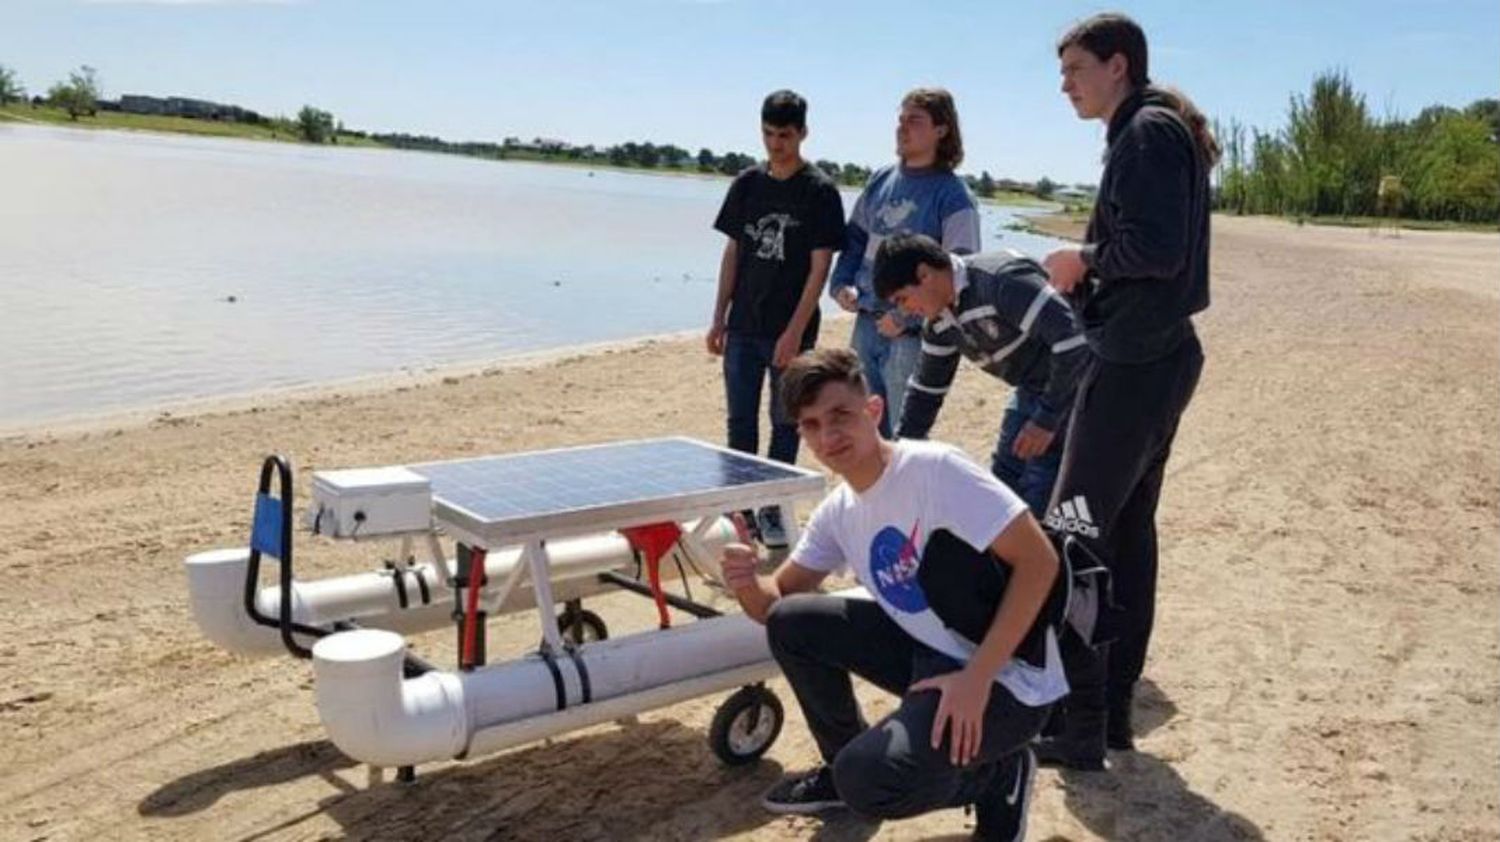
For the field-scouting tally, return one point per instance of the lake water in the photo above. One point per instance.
(119, 253)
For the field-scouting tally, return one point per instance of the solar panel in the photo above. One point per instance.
(504, 499)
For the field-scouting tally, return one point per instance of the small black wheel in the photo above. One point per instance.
(582, 626)
(745, 725)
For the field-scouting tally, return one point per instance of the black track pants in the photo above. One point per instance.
(1118, 441)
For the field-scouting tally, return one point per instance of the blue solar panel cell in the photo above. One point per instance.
(632, 477)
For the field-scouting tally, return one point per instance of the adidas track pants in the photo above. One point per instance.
(1124, 420)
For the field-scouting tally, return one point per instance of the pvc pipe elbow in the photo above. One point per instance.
(374, 715)
(216, 593)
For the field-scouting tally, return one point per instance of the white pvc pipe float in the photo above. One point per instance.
(376, 716)
(216, 582)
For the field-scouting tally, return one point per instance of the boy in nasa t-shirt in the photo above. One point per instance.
(960, 627)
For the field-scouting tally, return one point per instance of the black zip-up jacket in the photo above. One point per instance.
(1016, 327)
(1147, 243)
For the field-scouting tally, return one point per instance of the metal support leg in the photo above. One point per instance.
(535, 558)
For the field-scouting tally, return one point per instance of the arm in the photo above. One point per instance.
(757, 593)
(961, 233)
(841, 287)
(1152, 168)
(1056, 328)
(928, 386)
(728, 267)
(1034, 565)
(790, 341)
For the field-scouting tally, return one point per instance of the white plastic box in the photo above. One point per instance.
(364, 502)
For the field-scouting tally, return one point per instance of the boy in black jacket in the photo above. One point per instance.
(997, 310)
(1137, 280)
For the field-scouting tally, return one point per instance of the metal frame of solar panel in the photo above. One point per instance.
(496, 501)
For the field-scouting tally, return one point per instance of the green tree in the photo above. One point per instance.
(10, 87)
(986, 186)
(853, 175)
(1330, 136)
(705, 160)
(79, 95)
(315, 125)
(1487, 110)
(1045, 187)
(1233, 177)
(1458, 170)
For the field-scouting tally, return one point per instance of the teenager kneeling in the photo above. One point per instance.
(961, 625)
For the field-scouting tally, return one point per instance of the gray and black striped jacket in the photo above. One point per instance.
(1014, 325)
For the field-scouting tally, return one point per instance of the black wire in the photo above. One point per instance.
(682, 574)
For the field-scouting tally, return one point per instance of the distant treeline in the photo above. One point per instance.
(1334, 159)
(81, 96)
(647, 155)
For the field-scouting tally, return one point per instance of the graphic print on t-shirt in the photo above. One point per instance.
(769, 234)
(893, 568)
(893, 215)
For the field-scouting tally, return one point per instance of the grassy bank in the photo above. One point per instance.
(1065, 225)
(156, 123)
(280, 132)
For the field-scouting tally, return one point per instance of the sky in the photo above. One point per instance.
(693, 72)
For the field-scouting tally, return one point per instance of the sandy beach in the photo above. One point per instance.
(1326, 663)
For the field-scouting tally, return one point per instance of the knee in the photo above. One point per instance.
(791, 622)
(871, 784)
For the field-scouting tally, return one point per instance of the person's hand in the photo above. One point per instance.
(738, 565)
(1065, 269)
(847, 298)
(715, 339)
(787, 346)
(960, 710)
(889, 326)
(1032, 441)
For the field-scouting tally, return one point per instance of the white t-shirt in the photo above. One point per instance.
(881, 534)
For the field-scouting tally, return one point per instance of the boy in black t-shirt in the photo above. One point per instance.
(784, 219)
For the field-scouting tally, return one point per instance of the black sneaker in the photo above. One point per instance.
(772, 530)
(1000, 813)
(809, 792)
(1061, 753)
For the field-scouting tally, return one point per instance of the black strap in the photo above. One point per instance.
(583, 675)
(399, 581)
(421, 584)
(557, 679)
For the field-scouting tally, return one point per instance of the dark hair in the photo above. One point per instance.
(1107, 34)
(806, 375)
(897, 258)
(938, 104)
(1203, 136)
(784, 108)
(1111, 33)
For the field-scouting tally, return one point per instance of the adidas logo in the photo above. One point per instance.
(1073, 516)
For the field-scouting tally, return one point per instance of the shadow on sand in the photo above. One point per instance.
(635, 780)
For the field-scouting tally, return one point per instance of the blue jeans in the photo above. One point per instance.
(888, 364)
(747, 361)
(1033, 478)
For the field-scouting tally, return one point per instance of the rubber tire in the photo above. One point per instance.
(742, 702)
(589, 627)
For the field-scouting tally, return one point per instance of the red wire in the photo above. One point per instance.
(471, 614)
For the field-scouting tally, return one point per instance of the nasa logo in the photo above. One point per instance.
(893, 569)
